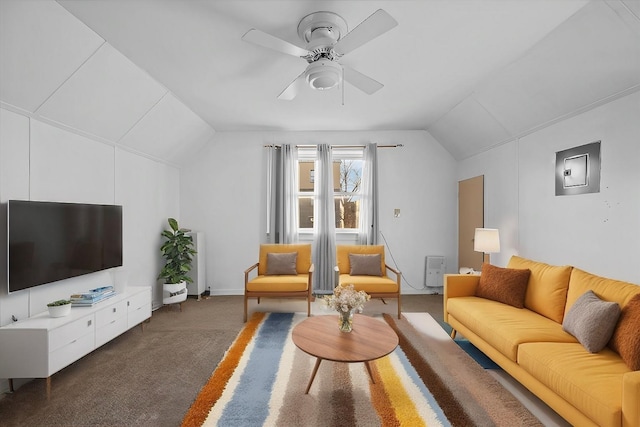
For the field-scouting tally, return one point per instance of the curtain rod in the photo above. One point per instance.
(337, 146)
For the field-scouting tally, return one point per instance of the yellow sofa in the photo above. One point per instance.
(587, 389)
(299, 284)
(376, 286)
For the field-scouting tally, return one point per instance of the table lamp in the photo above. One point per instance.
(486, 240)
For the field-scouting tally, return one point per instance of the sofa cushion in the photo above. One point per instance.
(369, 284)
(343, 251)
(626, 336)
(592, 383)
(298, 282)
(505, 327)
(303, 262)
(607, 289)
(547, 289)
(365, 265)
(282, 263)
(505, 285)
(592, 321)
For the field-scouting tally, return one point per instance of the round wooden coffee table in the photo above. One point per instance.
(320, 337)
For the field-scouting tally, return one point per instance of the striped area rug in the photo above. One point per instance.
(262, 378)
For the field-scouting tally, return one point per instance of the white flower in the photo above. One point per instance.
(346, 298)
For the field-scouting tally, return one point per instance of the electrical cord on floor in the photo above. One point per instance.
(404, 278)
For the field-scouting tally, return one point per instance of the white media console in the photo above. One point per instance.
(40, 346)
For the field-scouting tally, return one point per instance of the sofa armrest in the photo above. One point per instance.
(398, 276)
(312, 268)
(631, 399)
(458, 285)
(246, 273)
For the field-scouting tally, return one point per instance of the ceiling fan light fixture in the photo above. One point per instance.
(323, 74)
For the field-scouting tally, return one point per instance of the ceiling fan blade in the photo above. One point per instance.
(375, 25)
(267, 40)
(294, 87)
(362, 82)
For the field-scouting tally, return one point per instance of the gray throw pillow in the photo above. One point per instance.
(282, 263)
(365, 265)
(592, 321)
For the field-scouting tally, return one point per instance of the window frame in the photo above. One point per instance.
(306, 154)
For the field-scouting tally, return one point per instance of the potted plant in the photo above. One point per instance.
(59, 308)
(178, 251)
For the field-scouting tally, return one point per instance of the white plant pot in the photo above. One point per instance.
(59, 310)
(173, 293)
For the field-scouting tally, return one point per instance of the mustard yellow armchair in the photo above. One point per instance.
(364, 267)
(283, 271)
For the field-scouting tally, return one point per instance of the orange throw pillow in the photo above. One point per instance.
(505, 285)
(626, 336)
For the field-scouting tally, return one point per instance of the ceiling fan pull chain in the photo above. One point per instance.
(342, 84)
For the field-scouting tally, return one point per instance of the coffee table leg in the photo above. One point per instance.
(313, 374)
(370, 373)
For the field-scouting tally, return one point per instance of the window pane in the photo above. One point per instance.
(347, 211)
(349, 176)
(306, 175)
(305, 209)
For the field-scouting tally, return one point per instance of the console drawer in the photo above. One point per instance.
(111, 330)
(70, 332)
(70, 352)
(139, 315)
(139, 299)
(107, 315)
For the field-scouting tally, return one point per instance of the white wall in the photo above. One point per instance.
(222, 194)
(39, 161)
(597, 232)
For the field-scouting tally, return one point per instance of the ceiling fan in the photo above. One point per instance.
(326, 41)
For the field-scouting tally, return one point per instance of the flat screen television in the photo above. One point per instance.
(50, 241)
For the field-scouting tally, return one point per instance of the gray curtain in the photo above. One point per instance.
(282, 200)
(368, 229)
(324, 244)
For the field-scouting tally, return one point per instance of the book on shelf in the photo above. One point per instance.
(92, 296)
(90, 302)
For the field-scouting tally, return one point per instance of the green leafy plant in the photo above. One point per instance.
(178, 251)
(59, 302)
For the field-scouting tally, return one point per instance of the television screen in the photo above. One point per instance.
(51, 241)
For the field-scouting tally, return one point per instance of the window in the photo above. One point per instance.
(347, 176)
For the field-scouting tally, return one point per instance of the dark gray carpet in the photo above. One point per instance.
(150, 377)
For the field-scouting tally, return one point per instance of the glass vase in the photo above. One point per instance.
(345, 320)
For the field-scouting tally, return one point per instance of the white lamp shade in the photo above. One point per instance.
(486, 240)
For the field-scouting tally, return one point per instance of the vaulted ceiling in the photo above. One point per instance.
(161, 76)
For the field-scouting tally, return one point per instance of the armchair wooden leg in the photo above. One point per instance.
(453, 334)
(245, 309)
